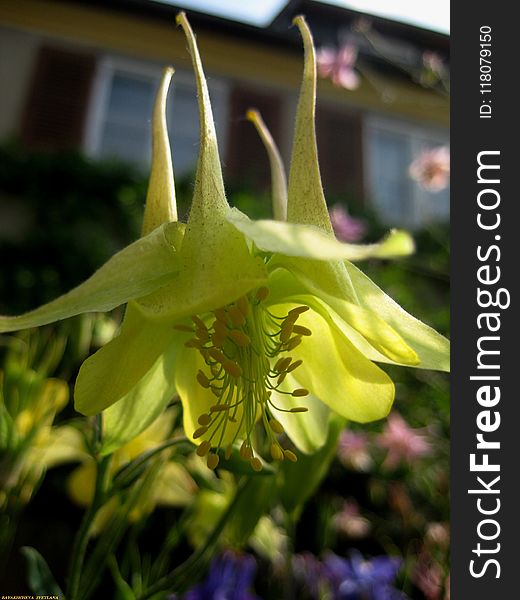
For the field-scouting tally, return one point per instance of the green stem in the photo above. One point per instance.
(181, 577)
(81, 541)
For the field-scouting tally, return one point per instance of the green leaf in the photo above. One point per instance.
(298, 481)
(137, 270)
(255, 502)
(39, 576)
(160, 205)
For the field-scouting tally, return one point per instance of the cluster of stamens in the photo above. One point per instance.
(239, 343)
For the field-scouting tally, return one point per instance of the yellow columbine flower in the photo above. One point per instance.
(249, 322)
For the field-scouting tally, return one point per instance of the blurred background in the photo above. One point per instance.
(79, 79)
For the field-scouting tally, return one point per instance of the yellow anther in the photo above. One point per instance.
(299, 409)
(228, 452)
(181, 327)
(256, 463)
(285, 334)
(193, 343)
(297, 311)
(212, 461)
(301, 330)
(276, 452)
(198, 322)
(232, 419)
(245, 451)
(243, 305)
(204, 448)
(218, 339)
(199, 432)
(262, 293)
(282, 364)
(281, 378)
(276, 426)
(203, 380)
(204, 420)
(217, 355)
(293, 342)
(220, 327)
(290, 455)
(203, 335)
(240, 338)
(219, 408)
(221, 315)
(237, 318)
(300, 392)
(294, 365)
(232, 368)
(216, 391)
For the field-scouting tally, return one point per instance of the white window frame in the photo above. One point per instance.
(419, 215)
(108, 66)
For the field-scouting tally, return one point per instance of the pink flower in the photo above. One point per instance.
(346, 228)
(403, 443)
(350, 522)
(431, 169)
(338, 65)
(428, 577)
(353, 450)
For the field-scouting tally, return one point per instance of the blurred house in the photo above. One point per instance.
(83, 74)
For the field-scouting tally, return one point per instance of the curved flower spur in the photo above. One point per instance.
(260, 327)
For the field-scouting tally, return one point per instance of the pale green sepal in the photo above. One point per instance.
(306, 202)
(137, 270)
(307, 431)
(215, 257)
(432, 348)
(110, 373)
(160, 205)
(278, 177)
(146, 401)
(307, 241)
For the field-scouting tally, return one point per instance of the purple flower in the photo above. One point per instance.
(338, 65)
(346, 228)
(230, 578)
(359, 579)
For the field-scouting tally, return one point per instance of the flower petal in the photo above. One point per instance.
(308, 431)
(338, 374)
(110, 373)
(135, 412)
(363, 326)
(138, 269)
(307, 241)
(278, 177)
(432, 348)
(160, 205)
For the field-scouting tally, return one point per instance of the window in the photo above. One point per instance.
(122, 103)
(391, 146)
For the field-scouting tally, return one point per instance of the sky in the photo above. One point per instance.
(432, 14)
